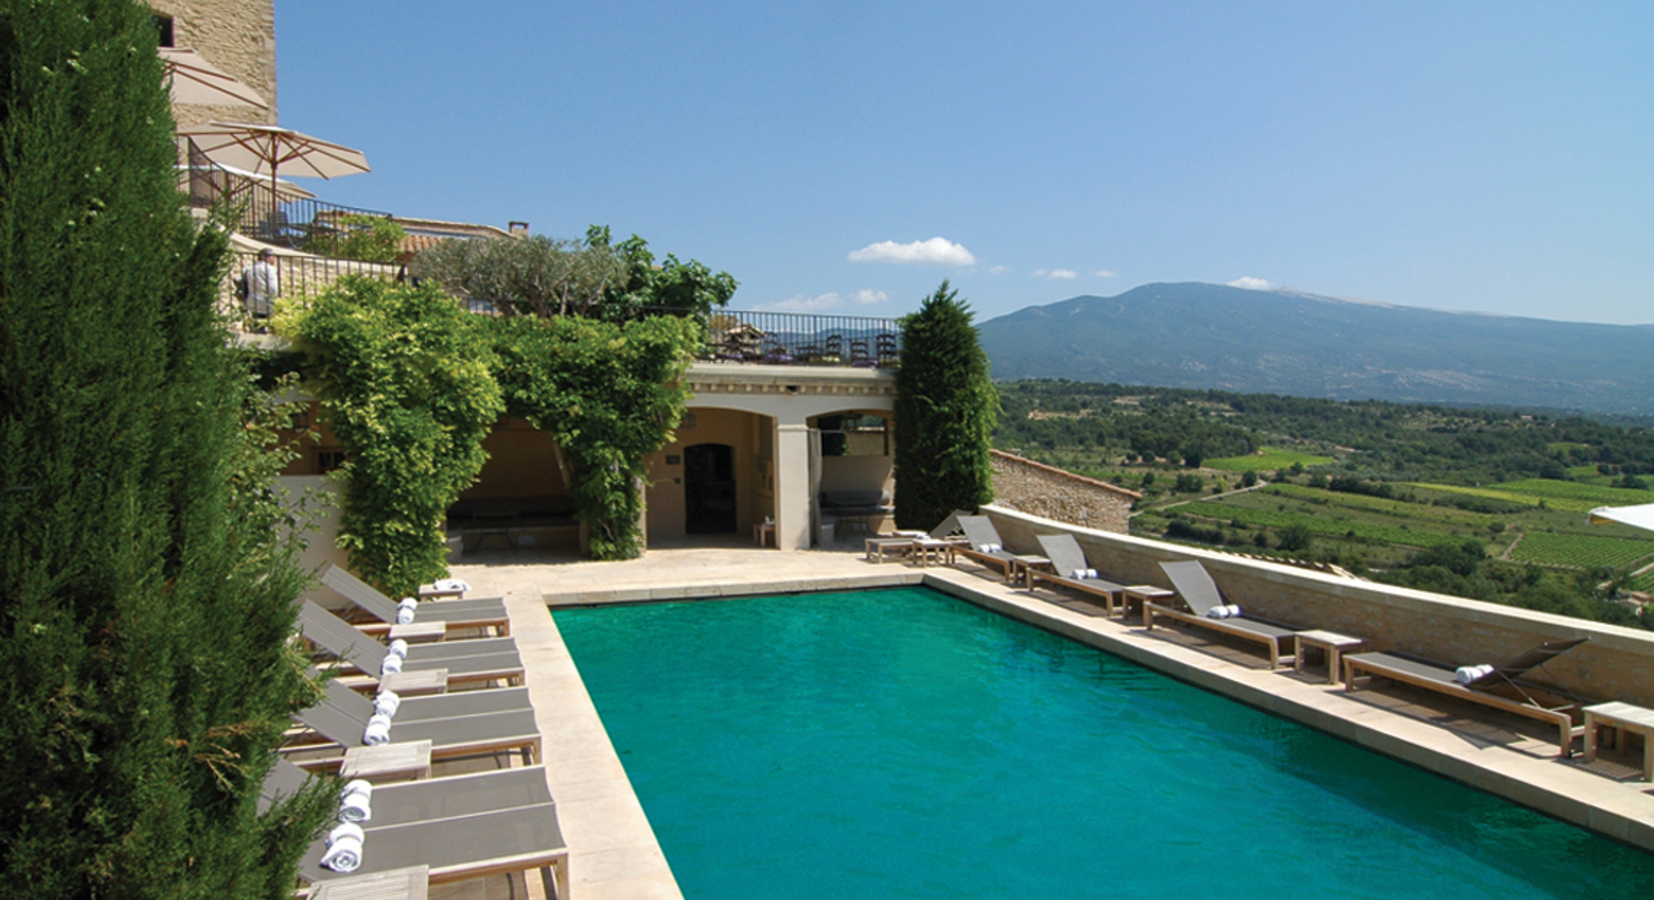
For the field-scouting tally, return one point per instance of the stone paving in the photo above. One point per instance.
(613, 851)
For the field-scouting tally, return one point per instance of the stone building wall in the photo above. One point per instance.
(1051, 493)
(237, 36)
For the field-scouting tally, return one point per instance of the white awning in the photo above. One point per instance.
(1635, 516)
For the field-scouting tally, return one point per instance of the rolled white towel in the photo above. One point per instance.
(408, 603)
(344, 848)
(1467, 674)
(1231, 611)
(1218, 612)
(356, 806)
(391, 665)
(357, 786)
(399, 647)
(404, 615)
(386, 703)
(378, 731)
(452, 584)
(990, 548)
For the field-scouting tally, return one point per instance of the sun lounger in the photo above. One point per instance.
(1195, 586)
(341, 718)
(484, 659)
(459, 848)
(985, 544)
(1514, 694)
(435, 706)
(482, 613)
(483, 801)
(1067, 557)
(878, 547)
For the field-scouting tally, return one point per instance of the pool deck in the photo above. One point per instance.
(613, 851)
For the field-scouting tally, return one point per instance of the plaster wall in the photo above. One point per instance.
(522, 462)
(1617, 664)
(665, 491)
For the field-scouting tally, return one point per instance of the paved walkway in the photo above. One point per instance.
(613, 851)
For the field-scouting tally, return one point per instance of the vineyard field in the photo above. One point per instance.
(1580, 550)
(1267, 459)
(1391, 534)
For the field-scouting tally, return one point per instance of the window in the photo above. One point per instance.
(854, 435)
(328, 460)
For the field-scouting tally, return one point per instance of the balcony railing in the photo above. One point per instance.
(744, 336)
(299, 223)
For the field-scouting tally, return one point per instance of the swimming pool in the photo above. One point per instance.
(900, 743)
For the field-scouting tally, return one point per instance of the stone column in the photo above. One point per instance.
(792, 485)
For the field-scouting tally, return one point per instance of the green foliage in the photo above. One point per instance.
(1189, 483)
(145, 593)
(610, 393)
(404, 380)
(946, 410)
(545, 277)
(367, 238)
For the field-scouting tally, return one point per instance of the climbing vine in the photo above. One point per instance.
(405, 383)
(610, 393)
(411, 383)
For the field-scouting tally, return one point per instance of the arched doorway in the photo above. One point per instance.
(709, 489)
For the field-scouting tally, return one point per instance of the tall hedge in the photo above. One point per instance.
(946, 410)
(145, 600)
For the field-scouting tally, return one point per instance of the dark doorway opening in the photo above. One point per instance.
(709, 489)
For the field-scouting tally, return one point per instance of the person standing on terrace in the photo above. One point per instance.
(260, 284)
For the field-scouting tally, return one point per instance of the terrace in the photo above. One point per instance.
(613, 849)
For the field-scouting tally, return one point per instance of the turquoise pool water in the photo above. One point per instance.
(900, 743)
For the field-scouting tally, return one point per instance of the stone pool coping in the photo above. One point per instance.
(614, 852)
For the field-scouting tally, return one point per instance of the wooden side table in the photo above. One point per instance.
(419, 632)
(1331, 643)
(1021, 569)
(1140, 596)
(417, 682)
(394, 884)
(1621, 717)
(388, 762)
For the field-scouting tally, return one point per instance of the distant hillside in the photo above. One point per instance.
(1286, 342)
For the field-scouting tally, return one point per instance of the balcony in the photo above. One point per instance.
(778, 338)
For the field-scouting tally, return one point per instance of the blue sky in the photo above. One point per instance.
(848, 156)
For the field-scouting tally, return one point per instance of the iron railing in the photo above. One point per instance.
(750, 336)
(304, 276)
(298, 223)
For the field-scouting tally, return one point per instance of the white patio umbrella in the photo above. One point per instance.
(267, 149)
(192, 80)
(1636, 516)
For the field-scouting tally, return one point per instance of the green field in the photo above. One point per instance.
(1325, 526)
(1267, 458)
(1580, 550)
(1444, 515)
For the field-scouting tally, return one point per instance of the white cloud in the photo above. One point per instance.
(1103, 273)
(936, 252)
(1253, 284)
(1055, 273)
(1000, 270)
(824, 302)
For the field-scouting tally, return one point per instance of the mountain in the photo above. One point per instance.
(1287, 342)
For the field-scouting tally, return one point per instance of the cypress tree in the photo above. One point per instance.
(946, 410)
(145, 598)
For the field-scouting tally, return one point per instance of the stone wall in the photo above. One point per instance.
(1617, 664)
(1052, 493)
(237, 36)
